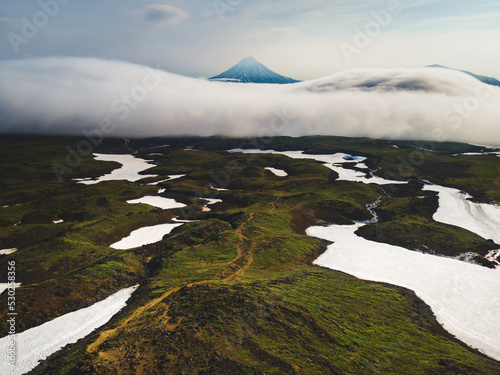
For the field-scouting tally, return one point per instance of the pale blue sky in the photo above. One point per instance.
(296, 38)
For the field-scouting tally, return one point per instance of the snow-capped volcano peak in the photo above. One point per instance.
(250, 70)
(249, 61)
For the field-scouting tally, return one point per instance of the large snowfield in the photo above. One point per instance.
(456, 209)
(129, 171)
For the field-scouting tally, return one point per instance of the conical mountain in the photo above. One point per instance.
(250, 70)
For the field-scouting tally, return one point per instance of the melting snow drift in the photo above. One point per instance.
(5, 286)
(38, 343)
(170, 178)
(144, 236)
(210, 202)
(160, 202)
(129, 171)
(277, 172)
(456, 209)
(8, 251)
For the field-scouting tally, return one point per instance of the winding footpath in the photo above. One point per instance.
(237, 268)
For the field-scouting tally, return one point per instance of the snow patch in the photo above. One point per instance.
(479, 153)
(36, 344)
(144, 236)
(170, 178)
(129, 171)
(456, 209)
(160, 202)
(218, 189)
(8, 251)
(183, 221)
(277, 172)
(151, 148)
(211, 201)
(5, 286)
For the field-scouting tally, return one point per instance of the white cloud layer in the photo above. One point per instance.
(70, 95)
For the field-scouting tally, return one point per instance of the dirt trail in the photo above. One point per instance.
(242, 262)
(107, 334)
(238, 266)
(273, 204)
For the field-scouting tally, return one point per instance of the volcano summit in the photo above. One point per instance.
(250, 70)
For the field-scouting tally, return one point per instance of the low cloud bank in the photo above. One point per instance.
(74, 95)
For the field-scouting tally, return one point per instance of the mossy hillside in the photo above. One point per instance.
(436, 161)
(474, 174)
(297, 319)
(399, 160)
(310, 144)
(66, 266)
(26, 165)
(197, 252)
(281, 315)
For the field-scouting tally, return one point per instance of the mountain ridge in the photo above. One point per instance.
(485, 79)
